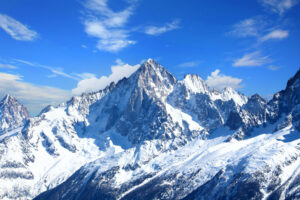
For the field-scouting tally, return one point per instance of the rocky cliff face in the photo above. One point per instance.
(12, 114)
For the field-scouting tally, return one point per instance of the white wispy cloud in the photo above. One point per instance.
(248, 27)
(189, 64)
(258, 28)
(7, 66)
(273, 68)
(220, 81)
(110, 27)
(279, 6)
(275, 34)
(16, 29)
(35, 97)
(107, 25)
(157, 30)
(253, 59)
(92, 84)
(54, 70)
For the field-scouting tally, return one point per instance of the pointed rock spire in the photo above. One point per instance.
(12, 113)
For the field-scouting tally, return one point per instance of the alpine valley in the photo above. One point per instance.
(150, 136)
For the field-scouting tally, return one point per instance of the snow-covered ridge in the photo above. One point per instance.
(151, 131)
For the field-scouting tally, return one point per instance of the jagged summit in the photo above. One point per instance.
(154, 68)
(285, 100)
(195, 84)
(294, 80)
(12, 113)
(7, 98)
(257, 97)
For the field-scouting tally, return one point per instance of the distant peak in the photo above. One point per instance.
(195, 83)
(152, 63)
(215, 91)
(256, 97)
(228, 89)
(192, 76)
(152, 72)
(150, 60)
(294, 79)
(7, 98)
(46, 109)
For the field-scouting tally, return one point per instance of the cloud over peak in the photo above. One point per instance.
(35, 97)
(221, 81)
(92, 84)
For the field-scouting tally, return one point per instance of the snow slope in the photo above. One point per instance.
(183, 173)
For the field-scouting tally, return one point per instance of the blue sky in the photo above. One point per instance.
(53, 49)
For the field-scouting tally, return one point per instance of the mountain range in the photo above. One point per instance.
(150, 136)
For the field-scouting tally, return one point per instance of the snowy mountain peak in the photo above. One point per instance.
(152, 63)
(12, 114)
(7, 99)
(228, 89)
(150, 60)
(195, 84)
(154, 66)
(152, 75)
(294, 81)
(257, 97)
(285, 100)
(229, 93)
(215, 91)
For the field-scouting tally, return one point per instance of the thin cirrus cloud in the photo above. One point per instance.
(256, 27)
(107, 25)
(273, 68)
(250, 27)
(254, 59)
(189, 64)
(221, 81)
(276, 34)
(158, 30)
(7, 66)
(35, 97)
(278, 6)
(16, 29)
(56, 71)
(92, 84)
